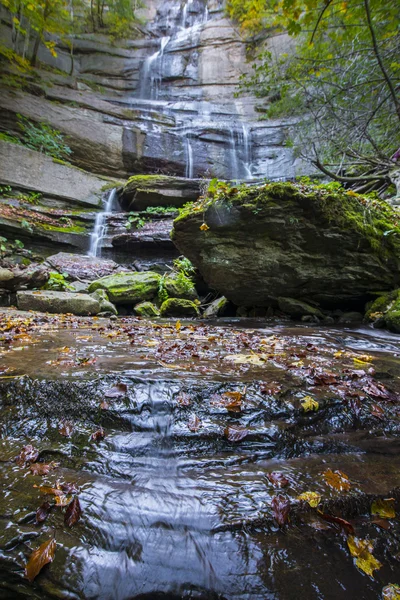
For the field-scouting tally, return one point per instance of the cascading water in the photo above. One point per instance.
(100, 225)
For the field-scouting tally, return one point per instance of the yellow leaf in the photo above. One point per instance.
(178, 326)
(309, 404)
(391, 592)
(247, 359)
(337, 480)
(384, 508)
(361, 550)
(15, 20)
(313, 498)
(204, 227)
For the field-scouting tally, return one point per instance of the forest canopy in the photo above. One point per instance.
(339, 81)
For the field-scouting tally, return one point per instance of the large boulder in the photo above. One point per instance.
(385, 311)
(177, 307)
(143, 191)
(58, 302)
(281, 240)
(82, 267)
(128, 288)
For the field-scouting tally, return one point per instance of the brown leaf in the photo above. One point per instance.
(234, 433)
(233, 401)
(98, 435)
(39, 558)
(325, 379)
(280, 508)
(377, 411)
(382, 523)
(28, 455)
(119, 389)
(69, 488)
(337, 480)
(377, 390)
(270, 388)
(43, 512)
(42, 469)
(194, 423)
(104, 405)
(73, 513)
(62, 501)
(183, 399)
(45, 489)
(348, 527)
(278, 479)
(66, 428)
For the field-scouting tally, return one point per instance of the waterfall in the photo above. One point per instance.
(151, 77)
(189, 157)
(100, 225)
(185, 13)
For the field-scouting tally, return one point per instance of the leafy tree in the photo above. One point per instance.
(340, 82)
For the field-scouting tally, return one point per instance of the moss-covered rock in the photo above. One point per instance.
(58, 302)
(128, 288)
(385, 311)
(179, 307)
(177, 285)
(147, 309)
(105, 305)
(316, 244)
(217, 308)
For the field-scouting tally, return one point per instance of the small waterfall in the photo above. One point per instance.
(185, 11)
(189, 157)
(100, 225)
(152, 72)
(246, 151)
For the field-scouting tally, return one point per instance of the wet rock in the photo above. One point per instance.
(143, 191)
(385, 311)
(180, 286)
(82, 267)
(128, 288)
(177, 307)
(5, 276)
(153, 236)
(351, 317)
(58, 302)
(283, 240)
(297, 309)
(217, 308)
(23, 277)
(147, 309)
(105, 305)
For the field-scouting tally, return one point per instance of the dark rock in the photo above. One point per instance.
(297, 309)
(143, 191)
(351, 317)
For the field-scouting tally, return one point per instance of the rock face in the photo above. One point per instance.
(282, 240)
(81, 267)
(128, 288)
(143, 191)
(58, 302)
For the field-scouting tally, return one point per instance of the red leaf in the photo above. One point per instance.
(280, 508)
(28, 454)
(194, 423)
(98, 435)
(43, 512)
(234, 433)
(39, 558)
(278, 479)
(348, 527)
(73, 513)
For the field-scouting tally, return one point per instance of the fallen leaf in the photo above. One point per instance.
(278, 479)
(234, 401)
(73, 513)
(42, 469)
(313, 498)
(69, 487)
(377, 411)
(309, 404)
(28, 455)
(280, 508)
(104, 405)
(194, 423)
(325, 379)
(119, 389)
(377, 390)
(384, 508)
(337, 480)
(43, 512)
(49, 490)
(348, 527)
(62, 500)
(247, 359)
(66, 429)
(382, 523)
(183, 399)
(98, 435)
(204, 227)
(234, 433)
(39, 558)
(270, 388)
(361, 550)
(391, 592)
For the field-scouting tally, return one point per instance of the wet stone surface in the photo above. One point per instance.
(188, 446)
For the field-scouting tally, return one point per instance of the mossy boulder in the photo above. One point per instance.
(179, 307)
(217, 308)
(385, 311)
(105, 305)
(316, 244)
(147, 309)
(180, 286)
(128, 288)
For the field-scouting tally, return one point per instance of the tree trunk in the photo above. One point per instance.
(35, 50)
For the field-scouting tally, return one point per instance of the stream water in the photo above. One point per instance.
(172, 506)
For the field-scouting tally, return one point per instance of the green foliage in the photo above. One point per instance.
(7, 247)
(185, 266)
(26, 225)
(160, 210)
(135, 221)
(162, 294)
(43, 138)
(5, 190)
(6, 137)
(57, 282)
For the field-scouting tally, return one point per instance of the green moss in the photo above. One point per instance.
(72, 229)
(128, 288)
(176, 307)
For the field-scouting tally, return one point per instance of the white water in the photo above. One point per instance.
(100, 226)
(189, 158)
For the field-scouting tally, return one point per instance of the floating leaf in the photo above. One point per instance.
(50, 490)
(309, 404)
(348, 527)
(62, 500)
(39, 558)
(194, 423)
(313, 498)
(361, 550)
(337, 480)
(42, 469)
(234, 433)
(278, 479)
(391, 592)
(43, 512)
(68, 487)
(28, 454)
(234, 401)
(73, 513)
(280, 508)
(384, 508)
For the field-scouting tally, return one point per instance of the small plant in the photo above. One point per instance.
(31, 198)
(57, 282)
(160, 210)
(26, 225)
(162, 294)
(43, 138)
(5, 190)
(184, 265)
(7, 247)
(136, 222)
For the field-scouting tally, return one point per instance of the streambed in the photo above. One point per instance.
(173, 434)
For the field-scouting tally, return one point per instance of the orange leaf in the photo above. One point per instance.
(39, 558)
(337, 480)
